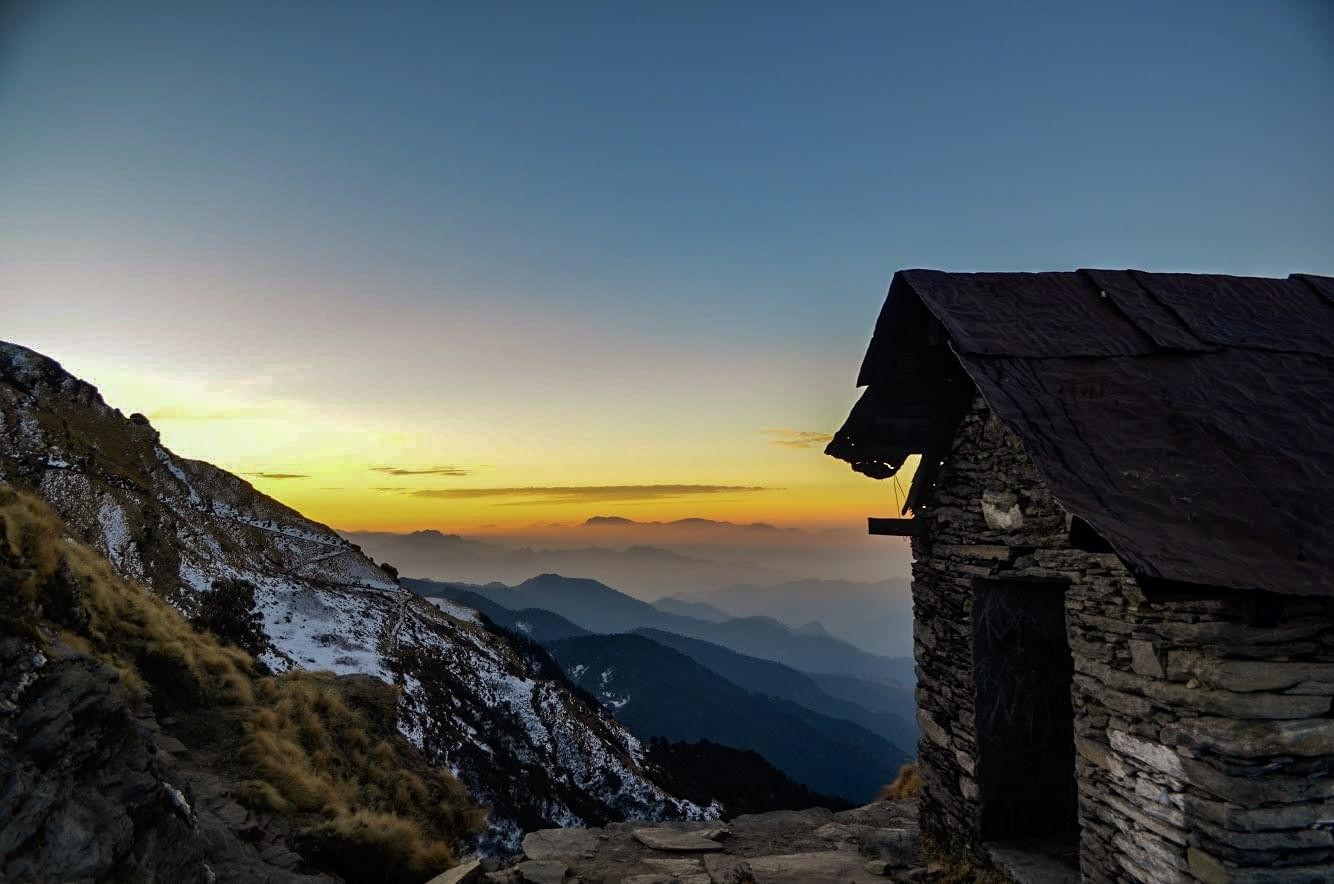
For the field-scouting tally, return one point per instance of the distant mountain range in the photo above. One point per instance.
(643, 570)
(662, 683)
(599, 608)
(884, 709)
(883, 706)
(698, 610)
(679, 573)
(659, 692)
(874, 616)
(690, 525)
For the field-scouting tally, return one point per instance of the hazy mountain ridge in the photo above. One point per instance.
(647, 570)
(698, 610)
(690, 523)
(660, 692)
(736, 571)
(600, 608)
(469, 699)
(662, 711)
(876, 616)
(772, 679)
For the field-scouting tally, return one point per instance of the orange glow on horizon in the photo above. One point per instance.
(447, 458)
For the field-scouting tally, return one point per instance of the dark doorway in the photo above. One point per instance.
(1025, 725)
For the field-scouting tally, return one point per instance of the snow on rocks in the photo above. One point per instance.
(324, 629)
(470, 700)
(455, 610)
(165, 459)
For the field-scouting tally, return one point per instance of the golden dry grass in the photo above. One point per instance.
(905, 785)
(320, 750)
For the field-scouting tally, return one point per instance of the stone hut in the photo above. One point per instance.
(1122, 523)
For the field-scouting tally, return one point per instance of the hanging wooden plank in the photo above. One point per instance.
(893, 527)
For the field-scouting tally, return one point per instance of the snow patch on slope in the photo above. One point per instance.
(455, 610)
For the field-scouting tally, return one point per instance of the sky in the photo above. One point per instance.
(473, 266)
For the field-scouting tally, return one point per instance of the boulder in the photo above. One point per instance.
(675, 841)
(840, 866)
(561, 843)
(897, 847)
(681, 867)
(542, 871)
(464, 873)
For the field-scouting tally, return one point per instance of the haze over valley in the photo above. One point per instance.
(709, 568)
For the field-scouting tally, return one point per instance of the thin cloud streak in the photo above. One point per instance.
(422, 471)
(797, 438)
(584, 493)
(279, 475)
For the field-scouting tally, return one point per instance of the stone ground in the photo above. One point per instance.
(864, 845)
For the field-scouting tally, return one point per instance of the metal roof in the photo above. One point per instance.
(1188, 419)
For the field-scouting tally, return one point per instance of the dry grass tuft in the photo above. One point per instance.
(70, 586)
(905, 785)
(956, 863)
(320, 750)
(317, 746)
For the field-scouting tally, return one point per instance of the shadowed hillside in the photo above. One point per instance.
(659, 692)
(315, 760)
(776, 680)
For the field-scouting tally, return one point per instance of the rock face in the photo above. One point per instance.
(1199, 723)
(858, 846)
(87, 791)
(522, 742)
(81, 794)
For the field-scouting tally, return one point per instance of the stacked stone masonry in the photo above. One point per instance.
(1204, 739)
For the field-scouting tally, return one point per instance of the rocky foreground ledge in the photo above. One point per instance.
(864, 845)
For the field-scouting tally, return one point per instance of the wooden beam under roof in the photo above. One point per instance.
(893, 527)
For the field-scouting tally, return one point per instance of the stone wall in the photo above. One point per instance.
(1203, 730)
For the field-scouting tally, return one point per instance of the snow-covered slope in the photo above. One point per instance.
(525, 744)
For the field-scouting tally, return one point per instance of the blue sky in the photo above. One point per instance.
(690, 210)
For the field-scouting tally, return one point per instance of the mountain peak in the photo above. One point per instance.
(433, 534)
(176, 526)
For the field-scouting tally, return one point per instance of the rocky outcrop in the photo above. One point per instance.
(816, 846)
(81, 793)
(89, 789)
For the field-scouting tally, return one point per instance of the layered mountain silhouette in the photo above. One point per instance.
(660, 692)
(650, 571)
(889, 711)
(874, 616)
(600, 608)
(672, 677)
